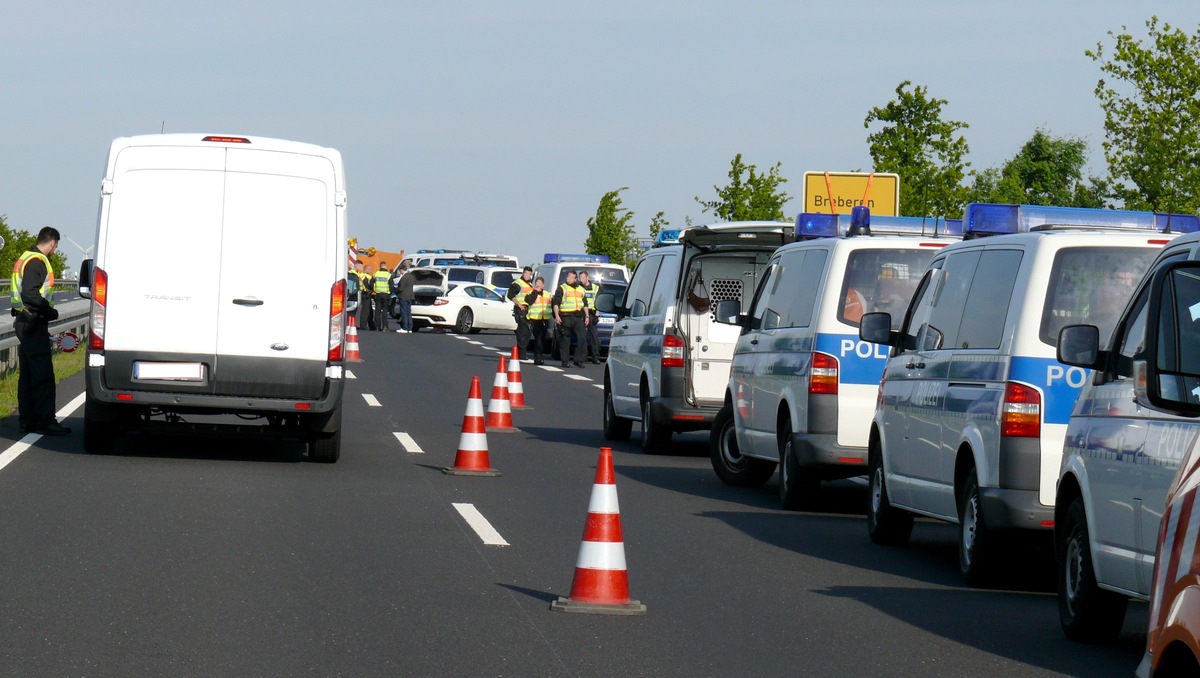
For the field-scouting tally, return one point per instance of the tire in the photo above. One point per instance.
(1086, 612)
(615, 428)
(886, 524)
(655, 438)
(974, 537)
(798, 485)
(731, 467)
(325, 448)
(464, 322)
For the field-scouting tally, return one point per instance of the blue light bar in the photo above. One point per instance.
(555, 258)
(990, 219)
(810, 225)
(1177, 223)
(667, 237)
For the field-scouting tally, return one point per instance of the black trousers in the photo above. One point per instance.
(572, 326)
(524, 333)
(593, 336)
(541, 334)
(381, 311)
(366, 315)
(35, 382)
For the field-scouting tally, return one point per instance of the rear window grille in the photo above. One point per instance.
(720, 289)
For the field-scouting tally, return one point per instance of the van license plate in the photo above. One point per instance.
(606, 321)
(168, 371)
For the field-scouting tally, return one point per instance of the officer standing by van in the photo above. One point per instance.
(538, 302)
(517, 291)
(590, 290)
(571, 317)
(382, 285)
(32, 291)
(367, 307)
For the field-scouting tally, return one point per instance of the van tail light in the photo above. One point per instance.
(337, 320)
(99, 303)
(823, 378)
(672, 351)
(1021, 413)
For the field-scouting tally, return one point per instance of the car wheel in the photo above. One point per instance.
(886, 524)
(465, 321)
(655, 438)
(974, 537)
(731, 467)
(798, 485)
(615, 428)
(325, 448)
(1086, 612)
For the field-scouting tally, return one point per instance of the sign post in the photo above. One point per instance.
(838, 192)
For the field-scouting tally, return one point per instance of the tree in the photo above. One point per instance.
(610, 231)
(1152, 122)
(16, 242)
(926, 151)
(1046, 171)
(656, 225)
(757, 197)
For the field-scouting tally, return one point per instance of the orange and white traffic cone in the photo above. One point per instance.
(472, 457)
(601, 584)
(516, 390)
(499, 412)
(352, 354)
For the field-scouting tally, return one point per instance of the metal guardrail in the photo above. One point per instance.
(72, 317)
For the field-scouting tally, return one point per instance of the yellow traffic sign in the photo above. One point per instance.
(838, 192)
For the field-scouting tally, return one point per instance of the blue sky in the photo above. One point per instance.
(498, 126)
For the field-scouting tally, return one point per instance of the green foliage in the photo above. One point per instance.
(16, 242)
(926, 151)
(656, 225)
(1046, 171)
(756, 197)
(1152, 122)
(610, 231)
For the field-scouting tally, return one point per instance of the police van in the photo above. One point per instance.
(599, 267)
(802, 385)
(221, 339)
(973, 405)
(1122, 449)
(668, 358)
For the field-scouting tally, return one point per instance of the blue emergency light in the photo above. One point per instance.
(667, 237)
(981, 219)
(1177, 223)
(555, 258)
(810, 225)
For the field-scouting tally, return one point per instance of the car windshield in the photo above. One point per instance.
(1091, 286)
(879, 280)
(596, 273)
(504, 279)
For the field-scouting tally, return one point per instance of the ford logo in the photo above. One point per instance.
(279, 347)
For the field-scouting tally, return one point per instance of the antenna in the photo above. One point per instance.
(160, 131)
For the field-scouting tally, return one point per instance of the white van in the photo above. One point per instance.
(668, 358)
(973, 406)
(218, 335)
(1121, 452)
(802, 387)
(555, 266)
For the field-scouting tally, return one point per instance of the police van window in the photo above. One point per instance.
(1133, 335)
(758, 307)
(949, 301)
(1179, 331)
(798, 286)
(878, 280)
(638, 297)
(504, 279)
(596, 274)
(988, 301)
(664, 285)
(918, 312)
(1091, 286)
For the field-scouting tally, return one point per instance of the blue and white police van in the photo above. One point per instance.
(973, 406)
(802, 385)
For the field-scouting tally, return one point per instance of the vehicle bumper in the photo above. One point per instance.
(1020, 509)
(822, 449)
(678, 415)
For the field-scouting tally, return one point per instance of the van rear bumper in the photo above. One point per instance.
(822, 449)
(678, 415)
(1015, 509)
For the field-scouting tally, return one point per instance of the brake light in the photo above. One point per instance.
(823, 378)
(99, 301)
(672, 351)
(337, 319)
(441, 301)
(1021, 412)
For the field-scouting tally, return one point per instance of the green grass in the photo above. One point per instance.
(65, 365)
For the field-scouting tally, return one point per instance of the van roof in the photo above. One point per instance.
(226, 140)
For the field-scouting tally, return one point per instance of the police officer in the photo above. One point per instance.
(590, 290)
(538, 302)
(517, 292)
(571, 317)
(32, 292)
(382, 286)
(367, 307)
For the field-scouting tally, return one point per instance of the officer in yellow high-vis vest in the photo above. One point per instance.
(32, 290)
(590, 290)
(517, 291)
(571, 316)
(539, 314)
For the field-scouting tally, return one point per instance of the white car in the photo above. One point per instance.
(462, 307)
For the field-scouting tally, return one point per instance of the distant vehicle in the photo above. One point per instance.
(554, 269)
(462, 307)
(425, 258)
(496, 278)
(223, 338)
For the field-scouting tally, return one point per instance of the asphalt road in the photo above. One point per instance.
(204, 557)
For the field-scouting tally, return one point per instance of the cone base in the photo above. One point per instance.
(451, 471)
(633, 607)
(507, 429)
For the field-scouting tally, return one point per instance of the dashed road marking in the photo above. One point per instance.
(409, 444)
(371, 400)
(482, 527)
(576, 377)
(475, 343)
(350, 375)
(550, 368)
(600, 386)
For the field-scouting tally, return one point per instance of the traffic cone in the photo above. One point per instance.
(516, 391)
(601, 584)
(352, 354)
(499, 412)
(472, 458)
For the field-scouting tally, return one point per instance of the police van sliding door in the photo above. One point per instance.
(277, 270)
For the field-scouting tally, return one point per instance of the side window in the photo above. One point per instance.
(949, 301)
(758, 308)
(638, 297)
(799, 281)
(988, 301)
(664, 285)
(1132, 335)
(918, 312)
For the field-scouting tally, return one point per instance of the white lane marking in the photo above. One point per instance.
(409, 444)
(25, 443)
(371, 400)
(350, 375)
(548, 368)
(475, 343)
(459, 336)
(482, 527)
(576, 377)
(598, 385)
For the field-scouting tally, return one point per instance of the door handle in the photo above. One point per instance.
(754, 342)
(915, 366)
(250, 301)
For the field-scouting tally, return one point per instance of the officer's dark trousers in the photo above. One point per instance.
(572, 326)
(524, 333)
(381, 311)
(593, 337)
(35, 382)
(366, 316)
(541, 330)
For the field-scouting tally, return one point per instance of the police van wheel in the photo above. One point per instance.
(886, 524)
(974, 537)
(465, 321)
(325, 448)
(655, 438)
(615, 428)
(1086, 612)
(731, 467)
(798, 485)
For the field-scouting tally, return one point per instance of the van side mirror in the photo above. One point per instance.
(1166, 375)
(1079, 346)
(876, 328)
(606, 302)
(728, 312)
(85, 278)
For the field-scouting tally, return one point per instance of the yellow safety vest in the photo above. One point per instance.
(590, 291)
(14, 283)
(572, 299)
(526, 288)
(540, 308)
(381, 282)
